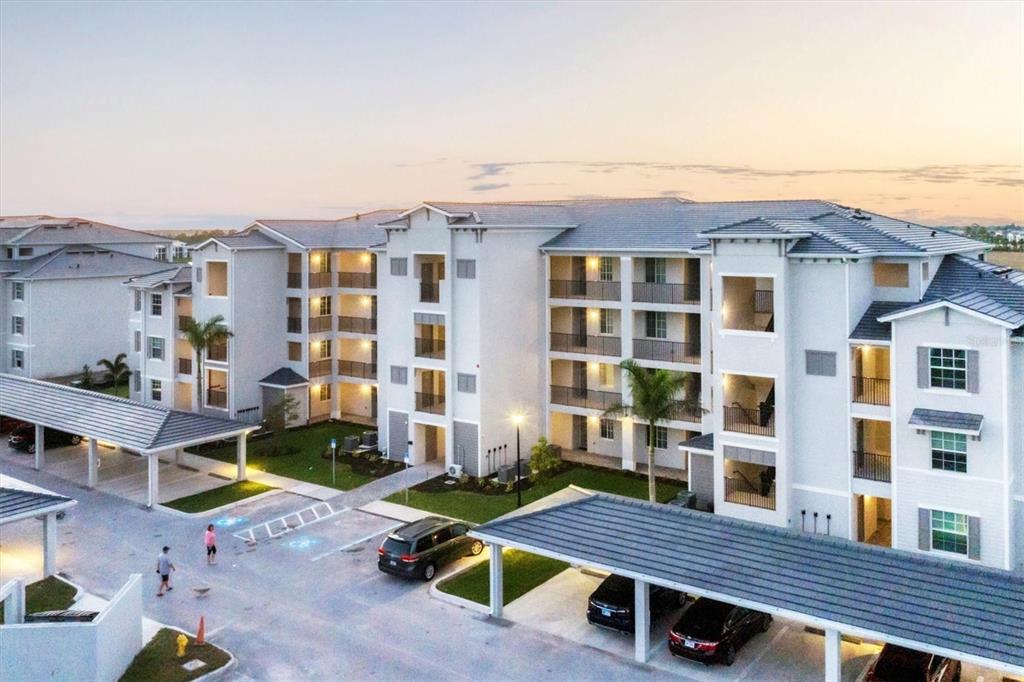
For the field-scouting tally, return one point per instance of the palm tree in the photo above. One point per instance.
(658, 394)
(202, 335)
(117, 369)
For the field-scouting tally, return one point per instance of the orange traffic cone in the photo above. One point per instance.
(201, 634)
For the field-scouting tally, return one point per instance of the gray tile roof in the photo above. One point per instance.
(359, 231)
(869, 328)
(922, 600)
(941, 419)
(138, 426)
(959, 274)
(44, 229)
(85, 261)
(703, 442)
(249, 240)
(17, 504)
(284, 377)
(180, 274)
(759, 226)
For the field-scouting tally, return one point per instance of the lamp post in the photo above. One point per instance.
(517, 419)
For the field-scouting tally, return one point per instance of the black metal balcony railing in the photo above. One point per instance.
(429, 348)
(357, 280)
(738, 491)
(692, 413)
(430, 292)
(430, 402)
(183, 321)
(294, 325)
(184, 365)
(666, 351)
(872, 466)
(582, 397)
(582, 343)
(319, 368)
(357, 325)
(764, 301)
(320, 323)
(218, 353)
(319, 280)
(870, 390)
(659, 292)
(759, 421)
(594, 290)
(353, 368)
(217, 397)
(294, 280)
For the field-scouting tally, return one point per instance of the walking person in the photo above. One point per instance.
(164, 568)
(210, 539)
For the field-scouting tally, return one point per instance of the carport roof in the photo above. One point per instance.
(922, 602)
(17, 504)
(144, 427)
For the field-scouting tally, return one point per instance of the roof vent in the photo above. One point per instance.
(357, 216)
(858, 215)
(933, 233)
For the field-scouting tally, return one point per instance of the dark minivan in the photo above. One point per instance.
(899, 664)
(613, 602)
(712, 631)
(418, 549)
(24, 438)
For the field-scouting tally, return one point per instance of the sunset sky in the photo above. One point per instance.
(209, 115)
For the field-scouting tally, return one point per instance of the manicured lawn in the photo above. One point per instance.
(158, 661)
(211, 499)
(122, 390)
(479, 507)
(275, 456)
(522, 573)
(48, 594)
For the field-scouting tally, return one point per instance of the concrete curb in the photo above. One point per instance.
(213, 674)
(217, 510)
(462, 603)
(79, 590)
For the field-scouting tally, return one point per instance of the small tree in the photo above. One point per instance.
(86, 380)
(202, 335)
(282, 412)
(117, 369)
(543, 458)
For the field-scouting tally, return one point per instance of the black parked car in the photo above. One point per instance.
(24, 438)
(418, 549)
(612, 603)
(712, 631)
(898, 664)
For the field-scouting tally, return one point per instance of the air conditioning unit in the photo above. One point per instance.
(506, 473)
(455, 470)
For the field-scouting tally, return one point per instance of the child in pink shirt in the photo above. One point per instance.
(210, 538)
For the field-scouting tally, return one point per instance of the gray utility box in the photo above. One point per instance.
(350, 444)
(506, 473)
(370, 439)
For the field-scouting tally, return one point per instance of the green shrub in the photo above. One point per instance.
(543, 458)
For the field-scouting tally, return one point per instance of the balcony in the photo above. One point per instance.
(687, 414)
(739, 490)
(294, 280)
(748, 303)
(430, 348)
(870, 390)
(758, 421)
(582, 397)
(360, 370)
(357, 325)
(430, 292)
(357, 280)
(592, 290)
(320, 280)
(320, 368)
(217, 397)
(582, 343)
(184, 365)
(294, 325)
(666, 351)
(872, 466)
(657, 292)
(184, 321)
(321, 323)
(430, 402)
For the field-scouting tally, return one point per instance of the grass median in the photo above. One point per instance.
(48, 594)
(522, 572)
(218, 497)
(158, 661)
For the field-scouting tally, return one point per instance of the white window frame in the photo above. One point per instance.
(606, 269)
(947, 517)
(940, 363)
(606, 375)
(951, 446)
(156, 390)
(17, 358)
(156, 305)
(606, 322)
(160, 253)
(151, 347)
(607, 429)
(17, 325)
(325, 392)
(656, 433)
(17, 291)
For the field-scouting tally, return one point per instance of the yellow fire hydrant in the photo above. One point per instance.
(182, 643)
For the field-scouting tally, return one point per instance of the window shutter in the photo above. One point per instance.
(922, 367)
(924, 529)
(972, 371)
(974, 537)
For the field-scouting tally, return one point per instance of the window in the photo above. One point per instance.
(160, 253)
(606, 374)
(156, 348)
(156, 305)
(17, 324)
(321, 349)
(466, 383)
(949, 532)
(217, 278)
(138, 301)
(156, 391)
(465, 269)
(322, 261)
(18, 291)
(325, 392)
(17, 359)
(399, 375)
(607, 269)
(10, 253)
(924, 270)
(947, 368)
(949, 451)
(660, 435)
(399, 267)
(892, 275)
(26, 251)
(137, 381)
(656, 324)
(138, 341)
(324, 305)
(655, 270)
(294, 351)
(607, 321)
(820, 363)
(608, 429)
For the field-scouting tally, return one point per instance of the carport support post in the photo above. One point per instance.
(49, 544)
(641, 620)
(497, 581)
(92, 463)
(40, 446)
(241, 457)
(153, 494)
(833, 655)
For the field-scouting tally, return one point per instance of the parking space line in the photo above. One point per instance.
(356, 542)
(771, 644)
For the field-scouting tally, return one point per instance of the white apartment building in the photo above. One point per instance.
(60, 279)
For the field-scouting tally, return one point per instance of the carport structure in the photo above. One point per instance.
(148, 429)
(949, 608)
(20, 501)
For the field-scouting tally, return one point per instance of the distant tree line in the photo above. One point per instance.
(993, 234)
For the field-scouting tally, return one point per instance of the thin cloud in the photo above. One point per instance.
(488, 186)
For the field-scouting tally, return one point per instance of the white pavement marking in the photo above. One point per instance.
(764, 650)
(321, 511)
(357, 542)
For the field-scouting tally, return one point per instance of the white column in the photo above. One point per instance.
(497, 581)
(641, 620)
(92, 466)
(628, 456)
(153, 494)
(40, 446)
(14, 606)
(833, 655)
(49, 544)
(240, 476)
